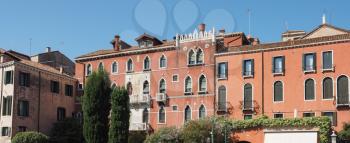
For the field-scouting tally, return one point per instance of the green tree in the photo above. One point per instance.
(344, 135)
(67, 131)
(119, 128)
(164, 135)
(96, 107)
(30, 137)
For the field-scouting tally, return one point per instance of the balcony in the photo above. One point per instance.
(161, 97)
(138, 127)
(343, 101)
(140, 99)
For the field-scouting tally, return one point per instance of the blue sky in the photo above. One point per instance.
(76, 27)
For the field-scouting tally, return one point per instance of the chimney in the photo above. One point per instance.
(116, 43)
(61, 69)
(222, 31)
(201, 27)
(48, 49)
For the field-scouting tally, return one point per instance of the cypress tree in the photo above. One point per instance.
(96, 107)
(119, 128)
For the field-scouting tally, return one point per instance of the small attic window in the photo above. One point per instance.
(145, 43)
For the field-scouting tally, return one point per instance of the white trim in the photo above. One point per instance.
(149, 87)
(332, 69)
(178, 78)
(308, 112)
(217, 66)
(206, 83)
(132, 65)
(184, 113)
(148, 115)
(164, 115)
(114, 62)
(149, 63)
(159, 84)
(314, 89)
(188, 57)
(177, 108)
(314, 62)
(205, 111)
(273, 90)
(219, 95)
(199, 48)
(323, 88)
(101, 63)
(252, 64)
(166, 61)
(283, 64)
(185, 84)
(275, 113)
(337, 87)
(86, 69)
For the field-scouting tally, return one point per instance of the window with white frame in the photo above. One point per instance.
(201, 112)
(162, 88)
(327, 88)
(309, 62)
(146, 87)
(248, 67)
(100, 66)
(309, 89)
(188, 85)
(327, 59)
(202, 84)
(130, 66)
(199, 56)
(222, 70)
(188, 114)
(114, 67)
(162, 62)
(343, 90)
(88, 69)
(278, 91)
(191, 57)
(278, 115)
(278, 64)
(146, 64)
(161, 115)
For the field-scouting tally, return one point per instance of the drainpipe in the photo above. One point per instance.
(38, 128)
(2, 85)
(262, 84)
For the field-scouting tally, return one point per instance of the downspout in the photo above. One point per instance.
(262, 84)
(2, 86)
(39, 102)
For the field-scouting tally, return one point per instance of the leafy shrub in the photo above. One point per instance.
(137, 137)
(30, 137)
(67, 131)
(164, 135)
(344, 135)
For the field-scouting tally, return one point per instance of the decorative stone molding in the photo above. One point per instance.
(196, 36)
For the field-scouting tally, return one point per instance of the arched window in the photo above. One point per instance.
(145, 116)
(188, 84)
(114, 67)
(248, 97)
(129, 88)
(200, 56)
(162, 62)
(162, 86)
(191, 57)
(222, 98)
(309, 89)
(278, 91)
(188, 113)
(113, 86)
(343, 90)
(202, 112)
(130, 66)
(145, 87)
(327, 88)
(146, 64)
(88, 69)
(202, 83)
(161, 115)
(100, 66)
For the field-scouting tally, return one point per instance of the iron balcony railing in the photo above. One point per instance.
(343, 101)
(248, 105)
(161, 97)
(140, 99)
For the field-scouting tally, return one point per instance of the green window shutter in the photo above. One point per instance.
(303, 62)
(252, 72)
(283, 64)
(315, 63)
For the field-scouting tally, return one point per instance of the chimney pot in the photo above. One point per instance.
(116, 43)
(201, 27)
(48, 49)
(222, 31)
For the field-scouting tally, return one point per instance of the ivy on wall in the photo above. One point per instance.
(322, 123)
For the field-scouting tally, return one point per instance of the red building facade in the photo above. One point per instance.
(208, 73)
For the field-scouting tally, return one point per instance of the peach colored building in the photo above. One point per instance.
(208, 73)
(33, 95)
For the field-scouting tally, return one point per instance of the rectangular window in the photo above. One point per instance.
(248, 116)
(23, 108)
(248, 67)
(9, 77)
(80, 86)
(332, 116)
(175, 78)
(61, 114)
(222, 70)
(309, 62)
(309, 114)
(278, 115)
(5, 131)
(278, 65)
(22, 128)
(327, 59)
(174, 108)
(24, 79)
(7, 106)
(68, 90)
(55, 86)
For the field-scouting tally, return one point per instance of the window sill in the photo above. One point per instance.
(222, 78)
(309, 71)
(129, 71)
(278, 74)
(202, 92)
(194, 65)
(161, 123)
(188, 93)
(328, 70)
(146, 70)
(248, 76)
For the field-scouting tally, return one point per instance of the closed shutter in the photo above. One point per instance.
(248, 98)
(226, 70)
(309, 89)
(327, 88)
(273, 64)
(314, 60)
(243, 68)
(222, 98)
(278, 91)
(252, 72)
(327, 60)
(283, 64)
(343, 90)
(303, 63)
